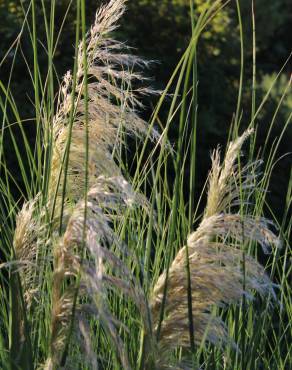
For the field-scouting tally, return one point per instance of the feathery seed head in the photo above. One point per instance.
(215, 260)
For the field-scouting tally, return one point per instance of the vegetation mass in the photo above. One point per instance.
(118, 249)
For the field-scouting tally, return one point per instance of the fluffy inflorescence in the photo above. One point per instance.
(111, 102)
(106, 108)
(27, 242)
(102, 270)
(215, 252)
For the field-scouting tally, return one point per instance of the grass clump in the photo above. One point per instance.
(99, 272)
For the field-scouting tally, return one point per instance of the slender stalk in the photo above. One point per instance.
(86, 143)
(20, 349)
(240, 88)
(66, 155)
(38, 147)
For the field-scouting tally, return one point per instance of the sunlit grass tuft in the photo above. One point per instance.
(107, 271)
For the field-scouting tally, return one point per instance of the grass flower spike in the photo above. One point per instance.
(215, 259)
